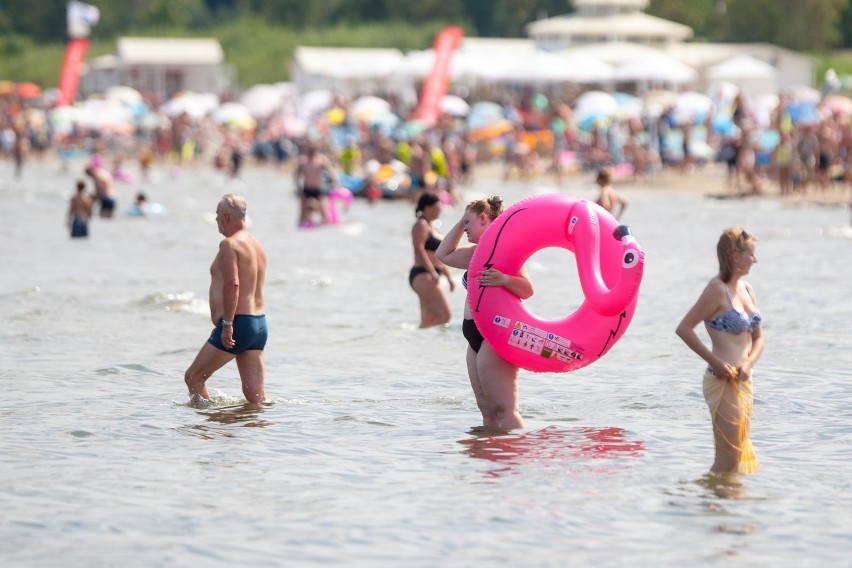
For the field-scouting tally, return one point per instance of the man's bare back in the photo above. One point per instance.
(241, 262)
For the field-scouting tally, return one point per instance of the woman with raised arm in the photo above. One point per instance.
(493, 379)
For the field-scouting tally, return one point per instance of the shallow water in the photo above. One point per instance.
(365, 454)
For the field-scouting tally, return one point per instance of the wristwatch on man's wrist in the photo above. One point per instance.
(227, 322)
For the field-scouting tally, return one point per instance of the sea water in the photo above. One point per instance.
(366, 453)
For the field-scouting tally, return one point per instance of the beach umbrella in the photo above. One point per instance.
(628, 106)
(384, 123)
(410, 129)
(152, 121)
(234, 114)
(28, 90)
(484, 113)
(692, 107)
(838, 104)
(593, 106)
(802, 93)
(7, 87)
(803, 112)
(313, 102)
(768, 139)
(454, 105)
(262, 100)
(63, 118)
(655, 101)
(123, 94)
(593, 109)
(104, 115)
(196, 105)
(369, 107)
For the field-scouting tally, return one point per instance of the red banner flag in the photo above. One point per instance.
(69, 78)
(438, 81)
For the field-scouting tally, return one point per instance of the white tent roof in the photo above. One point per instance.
(659, 68)
(621, 26)
(348, 62)
(613, 52)
(492, 45)
(741, 67)
(582, 68)
(160, 51)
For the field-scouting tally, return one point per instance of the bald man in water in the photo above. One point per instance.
(236, 307)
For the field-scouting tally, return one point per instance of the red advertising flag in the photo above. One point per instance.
(69, 78)
(438, 81)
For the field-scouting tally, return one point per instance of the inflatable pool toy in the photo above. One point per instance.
(489, 131)
(338, 194)
(335, 196)
(610, 264)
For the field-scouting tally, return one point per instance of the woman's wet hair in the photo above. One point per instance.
(732, 241)
(492, 206)
(425, 201)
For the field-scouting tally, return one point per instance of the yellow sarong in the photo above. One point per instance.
(732, 402)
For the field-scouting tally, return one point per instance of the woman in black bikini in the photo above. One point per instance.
(425, 275)
(493, 379)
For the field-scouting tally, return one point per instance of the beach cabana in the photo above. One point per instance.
(746, 72)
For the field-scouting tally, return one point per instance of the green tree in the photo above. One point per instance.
(44, 20)
(703, 16)
(509, 18)
(801, 25)
(174, 13)
(846, 26)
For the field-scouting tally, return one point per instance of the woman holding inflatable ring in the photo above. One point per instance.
(493, 379)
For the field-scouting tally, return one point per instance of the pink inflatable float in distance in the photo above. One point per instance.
(337, 197)
(610, 265)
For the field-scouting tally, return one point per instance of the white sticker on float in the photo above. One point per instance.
(542, 342)
(502, 321)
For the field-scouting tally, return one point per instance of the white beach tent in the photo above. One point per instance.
(746, 72)
(580, 68)
(464, 66)
(656, 69)
(612, 52)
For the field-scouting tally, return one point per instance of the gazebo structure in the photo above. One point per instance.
(602, 21)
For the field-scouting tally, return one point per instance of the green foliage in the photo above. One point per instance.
(178, 13)
(703, 16)
(261, 53)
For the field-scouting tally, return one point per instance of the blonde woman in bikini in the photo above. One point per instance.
(728, 308)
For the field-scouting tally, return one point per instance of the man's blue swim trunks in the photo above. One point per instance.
(250, 333)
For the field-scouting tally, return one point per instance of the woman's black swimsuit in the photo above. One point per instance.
(469, 329)
(431, 244)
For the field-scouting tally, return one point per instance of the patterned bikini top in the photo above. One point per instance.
(735, 321)
(464, 279)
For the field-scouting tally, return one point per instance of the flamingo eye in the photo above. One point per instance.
(630, 258)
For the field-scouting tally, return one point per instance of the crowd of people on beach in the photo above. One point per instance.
(530, 133)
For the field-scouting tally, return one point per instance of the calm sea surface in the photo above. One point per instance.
(364, 455)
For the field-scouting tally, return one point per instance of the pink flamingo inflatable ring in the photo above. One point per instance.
(610, 264)
(337, 195)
